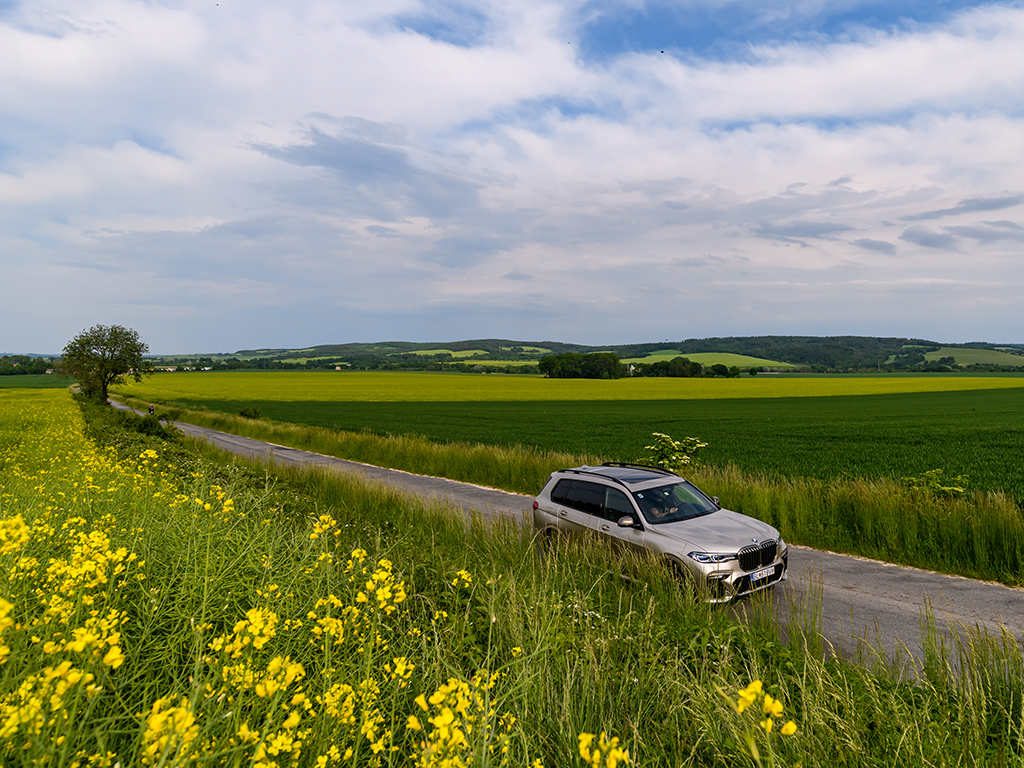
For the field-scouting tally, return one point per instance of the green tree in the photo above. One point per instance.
(103, 356)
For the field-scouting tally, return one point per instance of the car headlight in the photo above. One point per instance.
(708, 557)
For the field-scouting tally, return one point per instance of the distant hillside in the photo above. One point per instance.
(815, 353)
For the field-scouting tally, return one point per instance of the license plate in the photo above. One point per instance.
(762, 574)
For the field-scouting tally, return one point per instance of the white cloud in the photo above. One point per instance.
(337, 153)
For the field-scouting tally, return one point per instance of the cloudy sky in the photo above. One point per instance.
(228, 175)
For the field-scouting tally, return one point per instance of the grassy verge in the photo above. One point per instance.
(193, 611)
(978, 536)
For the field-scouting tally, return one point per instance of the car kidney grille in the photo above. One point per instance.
(757, 555)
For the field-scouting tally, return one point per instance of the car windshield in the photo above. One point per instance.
(671, 503)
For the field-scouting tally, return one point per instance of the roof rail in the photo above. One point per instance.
(640, 466)
(590, 471)
(593, 471)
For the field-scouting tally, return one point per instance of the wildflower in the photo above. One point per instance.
(170, 732)
(749, 695)
(586, 739)
(463, 714)
(114, 657)
(607, 753)
(403, 669)
(771, 709)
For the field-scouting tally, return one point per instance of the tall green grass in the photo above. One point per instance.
(979, 536)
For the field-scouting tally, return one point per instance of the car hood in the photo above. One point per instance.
(721, 531)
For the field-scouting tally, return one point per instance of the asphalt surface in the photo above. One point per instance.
(867, 607)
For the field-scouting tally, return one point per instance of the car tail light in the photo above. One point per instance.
(536, 506)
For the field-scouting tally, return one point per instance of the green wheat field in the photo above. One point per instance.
(817, 427)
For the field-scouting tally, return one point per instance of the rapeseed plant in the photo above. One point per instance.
(771, 710)
(606, 753)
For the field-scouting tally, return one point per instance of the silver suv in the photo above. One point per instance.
(652, 510)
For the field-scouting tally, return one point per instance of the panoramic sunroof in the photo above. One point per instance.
(627, 474)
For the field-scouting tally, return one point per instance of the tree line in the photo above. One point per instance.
(607, 365)
(22, 365)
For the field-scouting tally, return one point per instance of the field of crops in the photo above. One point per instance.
(34, 381)
(397, 387)
(815, 427)
(975, 356)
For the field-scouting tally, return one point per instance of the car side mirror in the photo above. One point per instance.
(628, 521)
(717, 502)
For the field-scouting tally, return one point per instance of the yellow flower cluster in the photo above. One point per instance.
(771, 708)
(61, 574)
(464, 726)
(606, 753)
(40, 702)
(171, 733)
(323, 525)
(256, 629)
(381, 589)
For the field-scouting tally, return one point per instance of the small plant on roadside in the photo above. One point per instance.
(250, 412)
(602, 752)
(933, 482)
(672, 455)
(765, 730)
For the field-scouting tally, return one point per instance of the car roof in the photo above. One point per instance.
(627, 474)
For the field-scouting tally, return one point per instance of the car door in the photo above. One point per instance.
(577, 501)
(615, 505)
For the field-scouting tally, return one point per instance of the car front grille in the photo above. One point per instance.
(757, 555)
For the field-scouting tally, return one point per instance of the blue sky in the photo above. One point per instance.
(229, 175)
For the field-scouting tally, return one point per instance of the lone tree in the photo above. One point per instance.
(105, 355)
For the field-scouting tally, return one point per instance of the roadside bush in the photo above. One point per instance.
(673, 455)
(934, 483)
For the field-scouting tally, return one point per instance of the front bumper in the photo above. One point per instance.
(725, 581)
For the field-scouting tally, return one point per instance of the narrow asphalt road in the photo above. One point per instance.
(866, 606)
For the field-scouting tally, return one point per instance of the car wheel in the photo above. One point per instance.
(682, 577)
(545, 542)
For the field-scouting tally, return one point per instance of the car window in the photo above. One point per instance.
(673, 502)
(560, 493)
(586, 497)
(616, 505)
